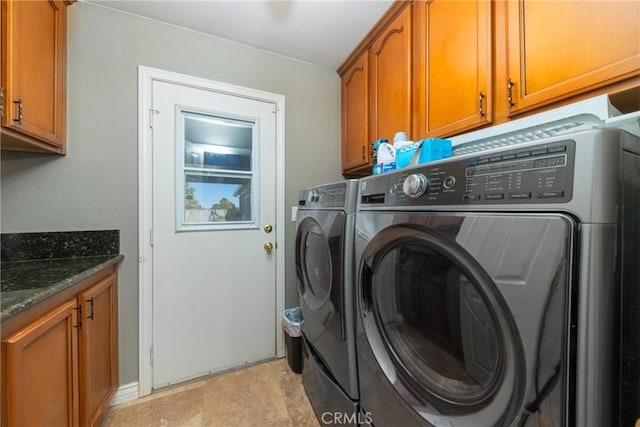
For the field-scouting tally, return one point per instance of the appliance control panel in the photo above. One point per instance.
(535, 174)
(332, 195)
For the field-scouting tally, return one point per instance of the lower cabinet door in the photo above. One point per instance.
(39, 385)
(98, 350)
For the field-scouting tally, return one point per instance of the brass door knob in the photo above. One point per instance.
(268, 228)
(268, 246)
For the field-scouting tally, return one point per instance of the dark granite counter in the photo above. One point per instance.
(36, 266)
(26, 283)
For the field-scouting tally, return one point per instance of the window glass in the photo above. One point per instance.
(217, 172)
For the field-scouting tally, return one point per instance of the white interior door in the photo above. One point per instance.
(214, 199)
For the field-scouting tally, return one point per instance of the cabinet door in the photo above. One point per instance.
(40, 372)
(557, 49)
(452, 66)
(34, 70)
(390, 82)
(355, 115)
(98, 349)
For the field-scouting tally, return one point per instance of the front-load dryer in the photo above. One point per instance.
(324, 269)
(500, 287)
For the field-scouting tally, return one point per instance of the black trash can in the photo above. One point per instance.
(292, 324)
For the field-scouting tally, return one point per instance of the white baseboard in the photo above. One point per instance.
(125, 393)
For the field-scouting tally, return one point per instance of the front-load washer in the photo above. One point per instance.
(324, 269)
(500, 287)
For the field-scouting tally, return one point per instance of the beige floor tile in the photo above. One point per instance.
(267, 394)
(246, 397)
(295, 398)
(181, 407)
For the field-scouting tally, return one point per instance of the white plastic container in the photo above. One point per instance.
(386, 157)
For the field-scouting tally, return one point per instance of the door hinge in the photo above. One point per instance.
(151, 354)
(151, 113)
(151, 237)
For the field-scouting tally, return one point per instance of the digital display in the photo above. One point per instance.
(549, 162)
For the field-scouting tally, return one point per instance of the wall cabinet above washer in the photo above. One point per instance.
(477, 63)
(558, 49)
(33, 75)
(453, 68)
(376, 88)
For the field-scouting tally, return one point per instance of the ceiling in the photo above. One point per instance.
(321, 32)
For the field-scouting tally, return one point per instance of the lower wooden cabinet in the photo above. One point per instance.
(98, 349)
(61, 369)
(40, 371)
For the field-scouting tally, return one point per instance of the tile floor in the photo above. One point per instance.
(267, 394)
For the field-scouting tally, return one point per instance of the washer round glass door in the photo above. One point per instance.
(439, 329)
(319, 264)
(314, 265)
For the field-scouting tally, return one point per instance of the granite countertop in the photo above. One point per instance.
(26, 283)
(36, 266)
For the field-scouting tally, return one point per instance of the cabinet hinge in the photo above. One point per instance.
(151, 113)
(78, 325)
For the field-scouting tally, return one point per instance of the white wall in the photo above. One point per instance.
(94, 187)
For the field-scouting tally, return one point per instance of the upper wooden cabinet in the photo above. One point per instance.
(453, 67)
(390, 79)
(355, 114)
(376, 89)
(33, 75)
(558, 49)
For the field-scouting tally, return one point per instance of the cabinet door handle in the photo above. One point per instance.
(364, 151)
(510, 85)
(19, 119)
(90, 301)
(481, 104)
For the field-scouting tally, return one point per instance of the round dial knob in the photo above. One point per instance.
(313, 196)
(415, 185)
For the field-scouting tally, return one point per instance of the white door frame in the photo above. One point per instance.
(146, 76)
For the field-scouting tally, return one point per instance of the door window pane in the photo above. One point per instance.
(217, 173)
(216, 199)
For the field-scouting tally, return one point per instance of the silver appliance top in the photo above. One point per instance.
(337, 195)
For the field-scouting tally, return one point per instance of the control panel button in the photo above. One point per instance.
(449, 182)
(415, 185)
(523, 154)
(493, 159)
(483, 161)
(509, 156)
(558, 149)
(520, 195)
(538, 152)
(494, 196)
(472, 162)
(313, 196)
(550, 194)
(471, 197)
